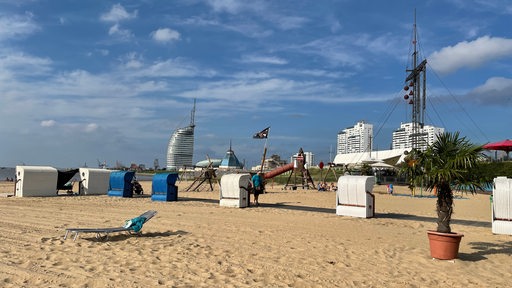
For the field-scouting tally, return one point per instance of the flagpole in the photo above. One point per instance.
(264, 151)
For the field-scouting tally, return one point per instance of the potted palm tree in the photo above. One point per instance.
(442, 167)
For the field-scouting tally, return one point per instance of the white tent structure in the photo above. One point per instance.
(36, 181)
(396, 155)
(382, 165)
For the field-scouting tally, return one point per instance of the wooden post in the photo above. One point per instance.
(263, 159)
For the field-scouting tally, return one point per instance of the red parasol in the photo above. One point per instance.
(505, 145)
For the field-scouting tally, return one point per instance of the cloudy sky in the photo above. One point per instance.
(88, 81)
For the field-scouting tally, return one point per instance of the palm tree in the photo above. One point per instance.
(445, 165)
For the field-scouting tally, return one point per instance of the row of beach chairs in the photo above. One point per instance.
(353, 198)
(43, 181)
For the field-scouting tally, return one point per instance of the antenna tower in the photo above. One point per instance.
(416, 81)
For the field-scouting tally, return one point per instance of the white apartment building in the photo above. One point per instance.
(308, 156)
(355, 139)
(402, 137)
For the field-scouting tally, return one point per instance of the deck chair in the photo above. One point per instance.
(132, 227)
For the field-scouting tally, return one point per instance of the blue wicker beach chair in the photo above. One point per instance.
(132, 227)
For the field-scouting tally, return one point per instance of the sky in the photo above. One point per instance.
(83, 82)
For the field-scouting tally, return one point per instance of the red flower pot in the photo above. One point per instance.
(444, 246)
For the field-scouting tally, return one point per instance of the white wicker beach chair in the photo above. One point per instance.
(502, 206)
(354, 196)
(234, 190)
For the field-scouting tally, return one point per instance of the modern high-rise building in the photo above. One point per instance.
(403, 137)
(181, 146)
(355, 139)
(309, 159)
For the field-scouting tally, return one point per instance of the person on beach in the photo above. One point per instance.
(390, 189)
(257, 184)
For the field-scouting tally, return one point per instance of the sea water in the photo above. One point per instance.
(7, 172)
(10, 172)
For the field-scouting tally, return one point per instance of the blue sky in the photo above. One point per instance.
(82, 81)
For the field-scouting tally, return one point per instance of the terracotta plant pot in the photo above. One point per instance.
(444, 246)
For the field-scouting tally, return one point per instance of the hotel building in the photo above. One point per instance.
(355, 139)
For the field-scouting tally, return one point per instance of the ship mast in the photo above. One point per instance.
(192, 114)
(416, 81)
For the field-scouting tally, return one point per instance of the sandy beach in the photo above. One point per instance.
(293, 239)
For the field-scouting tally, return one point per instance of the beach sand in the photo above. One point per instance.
(293, 239)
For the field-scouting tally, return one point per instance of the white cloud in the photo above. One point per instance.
(133, 61)
(174, 68)
(495, 84)
(165, 35)
(335, 26)
(289, 22)
(117, 13)
(495, 91)
(121, 33)
(263, 59)
(18, 63)
(470, 54)
(103, 52)
(246, 28)
(48, 123)
(17, 25)
(335, 49)
(91, 127)
(230, 6)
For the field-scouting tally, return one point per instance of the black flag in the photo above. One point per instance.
(263, 134)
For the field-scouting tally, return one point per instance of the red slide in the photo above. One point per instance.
(278, 171)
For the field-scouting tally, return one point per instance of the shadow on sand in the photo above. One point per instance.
(398, 216)
(483, 224)
(486, 248)
(124, 236)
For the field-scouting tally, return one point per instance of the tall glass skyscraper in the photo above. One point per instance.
(181, 146)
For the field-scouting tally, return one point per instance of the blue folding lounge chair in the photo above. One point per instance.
(133, 227)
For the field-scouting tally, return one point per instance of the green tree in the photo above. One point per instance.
(445, 165)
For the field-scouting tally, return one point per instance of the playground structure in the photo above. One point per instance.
(330, 169)
(207, 174)
(299, 176)
(299, 170)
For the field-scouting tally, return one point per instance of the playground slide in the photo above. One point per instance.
(278, 171)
